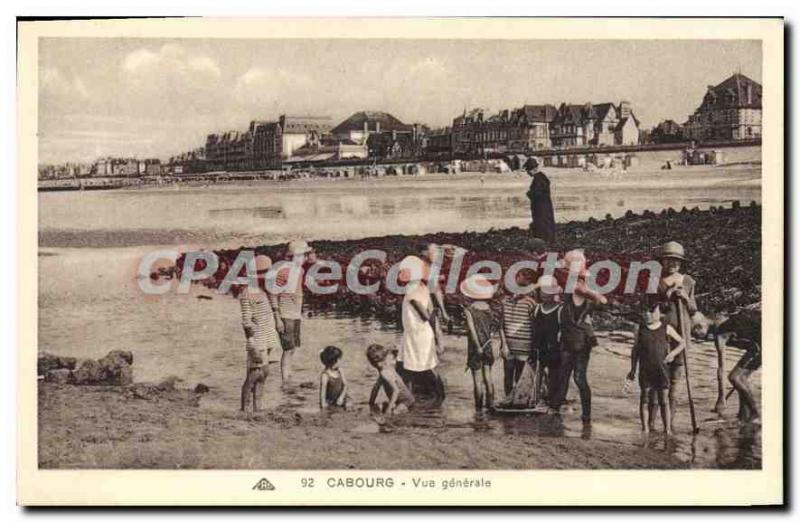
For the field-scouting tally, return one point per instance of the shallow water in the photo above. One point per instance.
(89, 302)
(341, 209)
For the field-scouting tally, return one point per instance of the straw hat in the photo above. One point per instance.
(671, 249)
(411, 268)
(575, 257)
(263, 264)
(298, 246)
(477, 287)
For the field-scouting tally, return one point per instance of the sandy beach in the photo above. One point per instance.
(200, 340)
(110, 427)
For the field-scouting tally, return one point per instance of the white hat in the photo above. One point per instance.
(575, 257)
(298, 246)
(263, 263)
(411, 268)
(477, 287)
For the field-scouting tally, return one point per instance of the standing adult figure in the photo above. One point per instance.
(543, 224)
(417, 357)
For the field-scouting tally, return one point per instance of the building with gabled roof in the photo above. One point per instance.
(360, 125)
(594, 125)
(729, 111)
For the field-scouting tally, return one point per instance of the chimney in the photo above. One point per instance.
(378, 126)
(366, 128)
(749, 94)
(624, 109)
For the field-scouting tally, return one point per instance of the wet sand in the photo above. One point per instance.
(82, 291)
(95, 427)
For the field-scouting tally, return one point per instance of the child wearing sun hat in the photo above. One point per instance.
(480, 325)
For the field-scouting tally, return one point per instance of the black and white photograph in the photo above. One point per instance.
(462, 254)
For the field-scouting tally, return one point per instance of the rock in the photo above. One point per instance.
(122, 377)
(59, 376)
(89, 372)
(48, 361)
(116, 357)
(201, 388)
(115, 369)
(169, 383)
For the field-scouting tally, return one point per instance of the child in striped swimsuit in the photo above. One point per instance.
(516, 333)
(261, 336)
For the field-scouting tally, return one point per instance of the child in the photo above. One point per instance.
(253, 387)
(652, 353)
(516, 333)
(260, 333)
(676, 290)
(576, 337)
(384, 360)
(743, 330)
(288, 304)
(547, 334)
(332, 384)
(480, 323)
(433, 254)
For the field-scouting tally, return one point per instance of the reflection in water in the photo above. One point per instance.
(356, 208)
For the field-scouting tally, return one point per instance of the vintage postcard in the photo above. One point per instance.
(401, 262)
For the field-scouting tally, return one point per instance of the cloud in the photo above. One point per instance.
(258, 88)
(169, 82)
(170, 60)
(58, 89)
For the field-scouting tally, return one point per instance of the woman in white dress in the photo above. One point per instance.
(418, 358)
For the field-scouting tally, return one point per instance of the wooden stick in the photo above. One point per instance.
(686, 333)
(719, 344)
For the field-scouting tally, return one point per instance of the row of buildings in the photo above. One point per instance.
(292, 140)
(536, 127)
(103, 167)
(729, 111)
(273, 144)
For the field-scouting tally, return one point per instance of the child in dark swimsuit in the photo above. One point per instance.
(332, 385)
(480, 326)
(653, 353)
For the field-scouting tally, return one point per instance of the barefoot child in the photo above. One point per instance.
(652, 353)
(261, 336)
(332, 384)
(516, 333)
(677, 291)
(480, 324)
(743, 331)
(384, 360)
(288, 303)
(577, 336)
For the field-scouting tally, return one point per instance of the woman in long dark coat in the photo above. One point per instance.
(544, 221)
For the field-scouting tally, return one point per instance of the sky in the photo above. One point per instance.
(159, 97)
